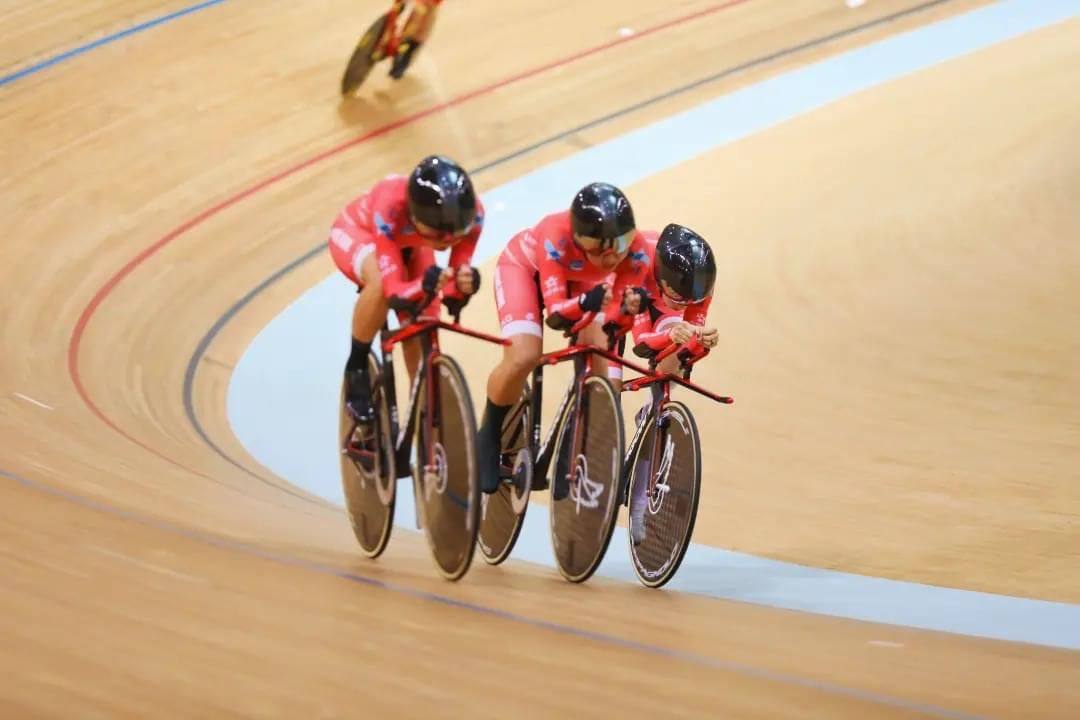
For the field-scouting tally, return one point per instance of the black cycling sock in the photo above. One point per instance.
(494, 416)
(403, 57)
(358, 356)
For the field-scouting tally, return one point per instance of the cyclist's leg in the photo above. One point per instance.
(421, 20)
(354, 254)
(594, 335)
(518, 305)
(417, 30)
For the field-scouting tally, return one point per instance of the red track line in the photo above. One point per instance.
(105, 290)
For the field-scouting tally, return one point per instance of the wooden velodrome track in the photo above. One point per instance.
(899, 297)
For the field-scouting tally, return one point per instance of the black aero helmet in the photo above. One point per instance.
(441, 195)
(685, 262)
(601, 212)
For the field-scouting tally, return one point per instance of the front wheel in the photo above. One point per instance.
(445, 474)
(367, 470)
(502, 513)
(588, 467)
(665, 486)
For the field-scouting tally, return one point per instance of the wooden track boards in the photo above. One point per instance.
(216, 592)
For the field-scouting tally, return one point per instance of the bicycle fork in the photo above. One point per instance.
(659, 454)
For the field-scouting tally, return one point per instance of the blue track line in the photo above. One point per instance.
(107, 40)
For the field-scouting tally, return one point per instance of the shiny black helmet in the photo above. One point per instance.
(601, 219)
(684, 265)
(441, 196)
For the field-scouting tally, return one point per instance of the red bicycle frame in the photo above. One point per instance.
(648, 376)
(426, 328)
(388, 44)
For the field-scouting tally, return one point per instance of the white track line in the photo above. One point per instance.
(31, 400)
(147, 566)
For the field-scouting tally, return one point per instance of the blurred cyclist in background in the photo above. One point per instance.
(417, 31)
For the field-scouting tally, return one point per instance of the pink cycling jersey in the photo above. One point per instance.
(378, 222)
(650, 328)
(543, 262)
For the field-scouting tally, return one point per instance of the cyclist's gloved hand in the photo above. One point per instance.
(595, 299)
(619, 325)
(455, 305)
(434, 279)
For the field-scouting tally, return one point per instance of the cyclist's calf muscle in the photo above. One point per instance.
(508, 378)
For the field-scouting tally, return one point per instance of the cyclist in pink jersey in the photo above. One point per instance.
(385, 242)
(680, 287)
(569, 264)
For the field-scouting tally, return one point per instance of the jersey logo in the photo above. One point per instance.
(577, 265)
(640, 256)
(552, 252)
(383, 226)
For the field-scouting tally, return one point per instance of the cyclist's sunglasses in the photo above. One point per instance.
(430, 233)
(595, 247)
(673, 298)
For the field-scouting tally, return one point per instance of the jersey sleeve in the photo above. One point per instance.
(651, 328)
(462, 253)
(698, 312)
(388, 214)
(634, 274)
(613, 313)
(651, 331)
(562, 310)
(386, 206)
(401, 293)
